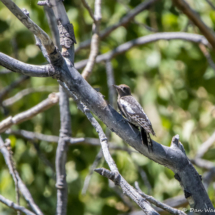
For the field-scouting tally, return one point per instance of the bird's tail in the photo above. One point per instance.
(146, 139)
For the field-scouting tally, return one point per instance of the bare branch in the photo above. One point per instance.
(24, 68)
(12, 169)
(124, 198)
(10, 101)
(146, 40)
(211, 4)
(15, 206)
(33, 136)
(175, 202)
(204, 164)
(35, 29)
(207, 56)
(195, 18)
(53, 25)
(61, 153)
(123, 22)
(157, 203)
(92, 167)
(94, 49)
(23, 189)
(208, 177)
(14, 84)
(86, 5)
(26, 115)
(127, 189)
(205, 146)
(145, 179)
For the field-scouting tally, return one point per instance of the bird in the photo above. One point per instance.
(134, 113)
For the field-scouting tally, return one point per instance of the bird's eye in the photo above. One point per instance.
(124, 88)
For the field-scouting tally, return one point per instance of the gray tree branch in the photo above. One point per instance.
(52, 99)
(146, 40)
(195, 18)
(35, 29)
(14, 84)
(123, 22)
(94, 48)
(24, 68)
(157, 203)
(21, 94)
(23, 189)
(15, 206)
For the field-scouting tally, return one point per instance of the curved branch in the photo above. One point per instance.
(123, 22)
(205, 146)
(16, 207)
(195, 18)
(157, 203)
(14, 84)
(52, 99)
(94, 47)
(23, 189)
(33, 27)
(24, 68)
(10, 101)
(146, 40)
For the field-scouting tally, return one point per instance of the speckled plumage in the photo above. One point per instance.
(134, 113)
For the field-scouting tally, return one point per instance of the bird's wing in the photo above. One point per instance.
(121, 110)
(135, 113)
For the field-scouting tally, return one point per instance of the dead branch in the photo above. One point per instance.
(52, 99)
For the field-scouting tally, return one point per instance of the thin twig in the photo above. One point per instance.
(21, 94)
(207, 56)
(124, 198)
(14, 84)
(13, 168)
(208, 177)
(33, 136)
(92, 167)
(86, 5)
(204, 164)
(15, 206)
(205, 146)
(23, 189)
(157, 203)
(94, 49)
(211, 4)
(195, 18)
(123, 22)
(26, 115)
(175, 202)
(146, 40)
(33, 27)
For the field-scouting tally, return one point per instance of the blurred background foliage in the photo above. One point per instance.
(171, 79)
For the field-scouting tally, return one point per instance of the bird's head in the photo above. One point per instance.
(123, 90)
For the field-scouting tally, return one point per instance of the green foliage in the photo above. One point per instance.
(171, 79)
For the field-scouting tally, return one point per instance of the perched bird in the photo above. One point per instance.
(134, 113)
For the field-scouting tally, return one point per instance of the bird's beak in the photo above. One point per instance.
(115, 86)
